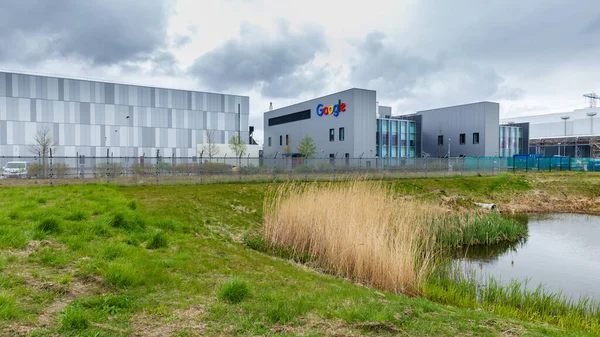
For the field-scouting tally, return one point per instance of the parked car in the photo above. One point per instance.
(15, 169)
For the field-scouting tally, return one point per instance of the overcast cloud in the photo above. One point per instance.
(277, 64)
(536, 56)
(99, 31)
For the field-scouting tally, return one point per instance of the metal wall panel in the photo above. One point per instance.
(84, 114)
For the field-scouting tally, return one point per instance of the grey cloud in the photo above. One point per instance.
(181, 40)
(420, 82)
(255, 60)
(392, 72)
(164, 63)
(307, 79)
(530, 35)
(99, 31)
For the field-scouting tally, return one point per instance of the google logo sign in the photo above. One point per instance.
(332, 109)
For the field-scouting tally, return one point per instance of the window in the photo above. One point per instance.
(293, 117)
(440, 140)
(331, 135)
(280, 140)
(341, 134)
(462, 138)
(269, 141)
(476, 138)
(287, 140)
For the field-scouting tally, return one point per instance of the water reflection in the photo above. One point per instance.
(562, 252)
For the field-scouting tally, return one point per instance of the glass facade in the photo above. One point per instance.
(396, 138)
(511, 137)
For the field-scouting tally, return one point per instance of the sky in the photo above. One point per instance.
(533, 57)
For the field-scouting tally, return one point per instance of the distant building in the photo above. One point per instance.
(90, 118)
(574, 134)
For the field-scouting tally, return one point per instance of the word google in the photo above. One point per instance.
(332, 109)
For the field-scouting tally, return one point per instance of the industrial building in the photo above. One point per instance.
(468, 130)
(89, 118)
(347, 124)
(570, 134)
(352, 124)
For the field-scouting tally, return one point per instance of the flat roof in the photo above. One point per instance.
(109, 82)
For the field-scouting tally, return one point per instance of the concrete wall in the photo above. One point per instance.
(450, 122)
(358, 122)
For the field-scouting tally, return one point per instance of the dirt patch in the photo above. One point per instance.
(67, 293)
(189, 320)
(35, 245)
(541, 202)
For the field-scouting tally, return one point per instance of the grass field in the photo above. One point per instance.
(100, 260)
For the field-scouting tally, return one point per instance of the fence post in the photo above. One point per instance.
(50, 166)
(107, 165)
(157, 165)
(201, 166)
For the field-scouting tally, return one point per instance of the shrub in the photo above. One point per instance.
(233, 290)
(158, 240)
(74, 318)
(216, 168)
(48, 225)
(60, 170)
(112, 169)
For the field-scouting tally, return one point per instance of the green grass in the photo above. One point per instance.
(514, 299)
(49, 226)
(74, 318)
(233, 290)
(99, 262)
(478, 229)
(9, 309)
(158, 240)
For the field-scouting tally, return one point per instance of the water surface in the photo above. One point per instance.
(562, 252)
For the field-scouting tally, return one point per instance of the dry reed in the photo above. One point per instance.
(357, 230)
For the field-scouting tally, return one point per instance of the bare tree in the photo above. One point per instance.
(210, 147)
(43, 143)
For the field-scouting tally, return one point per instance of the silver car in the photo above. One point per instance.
(15, 169)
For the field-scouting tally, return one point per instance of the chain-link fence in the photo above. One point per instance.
(202, 170)
(555, 163)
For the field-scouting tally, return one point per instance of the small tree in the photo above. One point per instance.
(237, 145)
(43, 145)
(210, 148)
(307, 147)
(43, 142)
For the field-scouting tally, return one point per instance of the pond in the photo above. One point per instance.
(562, 252)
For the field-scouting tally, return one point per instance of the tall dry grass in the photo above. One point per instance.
(357, 230)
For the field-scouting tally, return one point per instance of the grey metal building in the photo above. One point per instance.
(462, 130)
(90, 117)
(342, 125)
